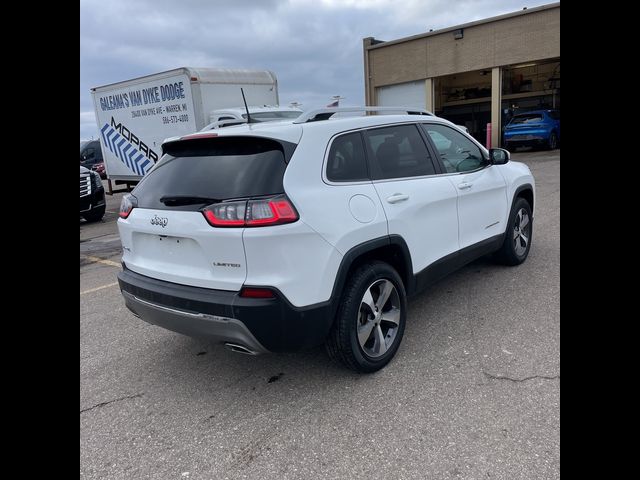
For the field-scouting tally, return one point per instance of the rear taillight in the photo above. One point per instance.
(251, 213)
(127, 204)
(228, 214)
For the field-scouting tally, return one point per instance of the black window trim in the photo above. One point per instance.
(433, 151)
(325, 161)
(439, 158)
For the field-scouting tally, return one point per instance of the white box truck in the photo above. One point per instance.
(135, 116)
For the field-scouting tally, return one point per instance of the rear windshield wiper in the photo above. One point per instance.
(177, 200)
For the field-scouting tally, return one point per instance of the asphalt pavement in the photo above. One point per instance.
(473, 392)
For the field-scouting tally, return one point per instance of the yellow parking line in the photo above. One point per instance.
(99, 288)
(101, 260)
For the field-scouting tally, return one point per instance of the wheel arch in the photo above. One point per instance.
(391, 249)
(524, 191)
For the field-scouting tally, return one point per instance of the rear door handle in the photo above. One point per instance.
(397, 197)
(465, 185)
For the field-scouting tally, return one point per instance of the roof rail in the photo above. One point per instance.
(326, 113)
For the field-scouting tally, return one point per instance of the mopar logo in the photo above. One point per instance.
(131, 151)
(162, 221)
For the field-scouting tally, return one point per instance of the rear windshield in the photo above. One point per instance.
(213, 169)
(533, 118)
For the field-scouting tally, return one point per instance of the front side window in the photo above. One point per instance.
(457, 152)
(398, 152)
(346, 161)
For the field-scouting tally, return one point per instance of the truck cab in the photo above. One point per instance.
(90, 154)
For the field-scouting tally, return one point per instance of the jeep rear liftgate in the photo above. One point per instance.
(184, 222)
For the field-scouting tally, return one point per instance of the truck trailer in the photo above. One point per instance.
(135, 116)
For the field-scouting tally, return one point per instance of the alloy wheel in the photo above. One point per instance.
(521, 232)
(378, 318)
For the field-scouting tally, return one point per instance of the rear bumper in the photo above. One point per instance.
(527, 136)
(530, 142)
(261, 325)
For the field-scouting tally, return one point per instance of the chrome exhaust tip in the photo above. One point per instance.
(234, 347)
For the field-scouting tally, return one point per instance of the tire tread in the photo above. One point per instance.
(338, 343)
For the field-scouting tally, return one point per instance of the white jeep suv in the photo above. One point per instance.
(286, 235)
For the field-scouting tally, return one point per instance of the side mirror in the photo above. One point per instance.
(499, 156)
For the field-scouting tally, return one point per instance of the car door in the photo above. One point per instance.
(420, 205)
(481, 188)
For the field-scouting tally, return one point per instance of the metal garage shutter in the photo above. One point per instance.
(410, 94)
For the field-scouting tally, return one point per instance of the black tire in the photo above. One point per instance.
(95, 215)
(511, 252)
(342, 344)
(552, 143)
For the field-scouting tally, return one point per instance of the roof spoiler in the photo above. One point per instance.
(326, 113)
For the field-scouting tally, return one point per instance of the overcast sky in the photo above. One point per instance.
(313, 46)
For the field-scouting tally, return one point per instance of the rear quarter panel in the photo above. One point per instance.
(327, 207)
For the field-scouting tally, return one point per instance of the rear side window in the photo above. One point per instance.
(398, 152)
(554, 115)
(214, 169)
(346, 161)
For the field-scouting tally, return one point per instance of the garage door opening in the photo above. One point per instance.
(465, 99)
(530, 86)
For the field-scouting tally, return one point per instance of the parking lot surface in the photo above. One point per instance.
(473, 392)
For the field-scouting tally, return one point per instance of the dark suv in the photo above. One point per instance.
(92, 199)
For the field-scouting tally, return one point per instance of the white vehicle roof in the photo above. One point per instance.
(265, 108)
(291, 131)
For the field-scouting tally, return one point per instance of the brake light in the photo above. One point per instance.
(127, 204)
(195, 136)
(248, 292)
(251, 213)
